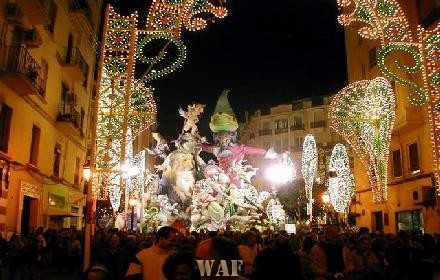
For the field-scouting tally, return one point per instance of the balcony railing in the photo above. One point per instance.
(281, 130)
(317, 124)
(297, 127)
(20, 71)
(69, 120)
(265, 132)
(75, 64)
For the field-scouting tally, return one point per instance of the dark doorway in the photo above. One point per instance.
(25, 215)
(378, 220)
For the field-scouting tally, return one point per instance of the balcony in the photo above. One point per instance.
(317, 124)
(297, 127)
(74, 65)
(265, 132)
(281, 130)
(20, 71)
(35, 10)
(69, 121)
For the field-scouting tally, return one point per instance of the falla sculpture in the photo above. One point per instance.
(208, 195)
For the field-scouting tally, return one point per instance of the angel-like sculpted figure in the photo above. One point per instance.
(161, 146)
(191, 117)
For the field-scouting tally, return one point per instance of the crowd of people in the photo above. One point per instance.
(171, 254)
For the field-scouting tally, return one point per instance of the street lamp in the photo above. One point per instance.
(133, 202)
(87, 171)
(90, 212)
(326, 201)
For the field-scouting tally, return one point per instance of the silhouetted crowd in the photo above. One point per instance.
(172, 254)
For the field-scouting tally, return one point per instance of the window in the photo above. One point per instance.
(318, 115)
(52, 16)
(413, 154)
(64, 99)
(81, 121)
(297, 120)
(57, 160)
(266, 125)
(76, 175)
(35, 145)
(281, 124)
(372, 57)
(397, 164)
(5, 124)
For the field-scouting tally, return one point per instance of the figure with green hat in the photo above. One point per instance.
(224, 126)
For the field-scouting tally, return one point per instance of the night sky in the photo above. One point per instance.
(265, 52)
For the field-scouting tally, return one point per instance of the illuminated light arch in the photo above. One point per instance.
(341, 181)
(363, 113)
(308, 168)
(384, 20)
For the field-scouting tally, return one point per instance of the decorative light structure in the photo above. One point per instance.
(364, 113)
(341, 181)
(275, 212)
(309, 165)
(419, 71)
(124, 101)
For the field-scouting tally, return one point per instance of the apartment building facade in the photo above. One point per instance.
(47, 61)
(412, 204)
(284, 128)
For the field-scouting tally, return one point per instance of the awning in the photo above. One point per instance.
(61, 213)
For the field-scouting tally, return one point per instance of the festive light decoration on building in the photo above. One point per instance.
(309, 165)
(364, 113)
(341, 181)
(419, 71)
(125, 101)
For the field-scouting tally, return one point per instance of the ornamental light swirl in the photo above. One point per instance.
(309, 165)
(341, 181)
(384, 20)
(363, 114)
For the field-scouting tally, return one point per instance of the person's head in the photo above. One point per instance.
(218, 249)
(332, 233)
(250, 238)
(97, 272)
(179, 267)
(166, 237)
(308, 243)
(282, 238)
(364, 243)
(363, 231)
(114, 241)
